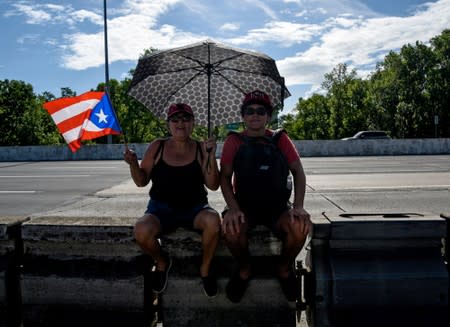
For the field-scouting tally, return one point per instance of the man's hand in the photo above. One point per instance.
(303, 217)
(232, 220)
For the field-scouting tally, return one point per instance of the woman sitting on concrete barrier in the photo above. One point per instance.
(179, 168)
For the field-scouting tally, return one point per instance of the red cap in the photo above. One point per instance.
(258, 97)
(176, 108)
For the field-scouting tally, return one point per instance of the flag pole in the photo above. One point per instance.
(105, 27)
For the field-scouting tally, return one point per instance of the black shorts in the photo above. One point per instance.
(265, 217)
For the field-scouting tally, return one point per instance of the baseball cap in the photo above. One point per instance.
(176, 108)
(258, 97)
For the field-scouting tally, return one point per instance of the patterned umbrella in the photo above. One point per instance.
(211, 77)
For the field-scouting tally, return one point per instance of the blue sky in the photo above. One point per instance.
(57, 43)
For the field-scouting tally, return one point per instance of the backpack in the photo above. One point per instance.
(261, 173)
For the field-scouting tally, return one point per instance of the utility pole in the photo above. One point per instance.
(105, 27)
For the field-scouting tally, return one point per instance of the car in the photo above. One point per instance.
(366, 135)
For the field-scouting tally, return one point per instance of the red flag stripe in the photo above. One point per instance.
(75, 121)
(92, 135)
(56, 105)
(67, 113)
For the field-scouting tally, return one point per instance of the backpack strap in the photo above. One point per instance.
(277, 134)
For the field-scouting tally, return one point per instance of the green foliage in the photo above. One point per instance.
(402, 96)
(22, 119)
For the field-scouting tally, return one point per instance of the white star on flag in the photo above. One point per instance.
(102, 117)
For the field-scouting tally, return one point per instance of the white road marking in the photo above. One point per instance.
(41, 176)
(17, 192)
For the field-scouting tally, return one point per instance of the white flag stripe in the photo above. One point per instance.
(73, 134)
(73, 110)
(90, 127)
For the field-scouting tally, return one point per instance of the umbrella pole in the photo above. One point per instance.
(209, 73)
(209, 101)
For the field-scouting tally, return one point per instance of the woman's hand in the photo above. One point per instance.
(210, 145)
(130, 156)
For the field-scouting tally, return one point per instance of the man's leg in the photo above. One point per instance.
(238, 246)
(292, 243)
(293, 240)
(208, 221)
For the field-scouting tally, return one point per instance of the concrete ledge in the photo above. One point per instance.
(94, 264)
(307, 148)
(89, 263)
(10, 260)
(263, 304)
(375, 265)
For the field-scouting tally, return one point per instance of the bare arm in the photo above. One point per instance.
(141, 173)
(234, 216)
(209, 164)
(298, 211)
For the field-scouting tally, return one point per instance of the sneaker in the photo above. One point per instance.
(159, 280)
(289, 286)
(209, 286)
(236, 287)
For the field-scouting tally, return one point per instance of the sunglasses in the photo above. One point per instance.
(261, 111)
(184, 119)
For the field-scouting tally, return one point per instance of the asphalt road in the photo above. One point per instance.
(418, 184)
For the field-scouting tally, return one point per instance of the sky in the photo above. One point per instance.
(58, 43)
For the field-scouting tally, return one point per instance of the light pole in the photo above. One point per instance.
(105, 27)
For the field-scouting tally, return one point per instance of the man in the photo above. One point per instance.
(261, 204)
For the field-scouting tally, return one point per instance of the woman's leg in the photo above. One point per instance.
(146, 231)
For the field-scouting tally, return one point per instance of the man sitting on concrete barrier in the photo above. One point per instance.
(179, 168)
(260, 160)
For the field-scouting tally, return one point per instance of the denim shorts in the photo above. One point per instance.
(171, 218)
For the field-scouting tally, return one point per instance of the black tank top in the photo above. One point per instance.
(179, 186)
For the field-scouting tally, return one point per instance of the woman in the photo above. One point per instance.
(179, 168)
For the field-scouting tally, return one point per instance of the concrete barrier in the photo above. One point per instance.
(10, 261)
(377, 270)
(307, 148)
(89, 271)
(184, 304)
(85, 270)
(79, 271)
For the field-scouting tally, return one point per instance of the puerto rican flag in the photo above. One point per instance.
(84, 117)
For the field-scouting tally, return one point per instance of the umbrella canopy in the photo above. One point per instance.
(211, 77)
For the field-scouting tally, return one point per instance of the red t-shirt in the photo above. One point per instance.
(233, 142)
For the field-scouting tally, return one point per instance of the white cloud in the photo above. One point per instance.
(363, 42)
(82, 15)
(285, 34)
(266, 9)
(34, 16)
(230, 27)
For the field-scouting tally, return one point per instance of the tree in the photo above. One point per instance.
(439, 82)
(310, 119)
(22, 119)
(337, 85)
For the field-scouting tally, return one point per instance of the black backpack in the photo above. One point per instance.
(261, 173)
